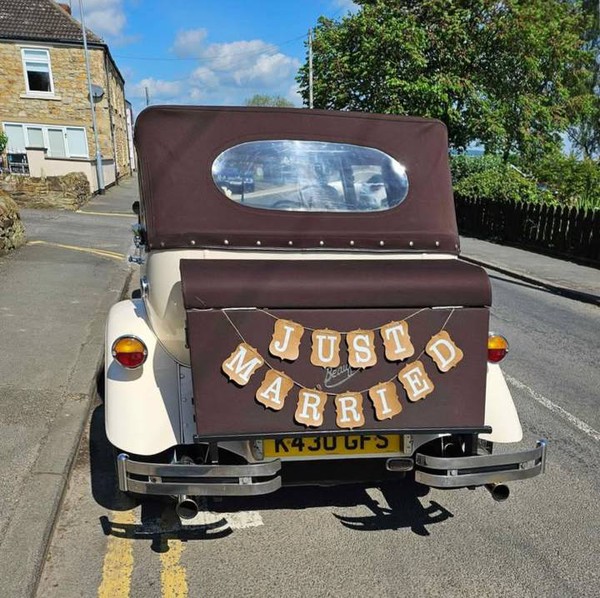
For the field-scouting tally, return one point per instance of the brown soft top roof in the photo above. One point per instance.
(182, 206)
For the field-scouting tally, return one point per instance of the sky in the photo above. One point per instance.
(207, 52)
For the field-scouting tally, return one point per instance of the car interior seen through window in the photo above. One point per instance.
(311, 176)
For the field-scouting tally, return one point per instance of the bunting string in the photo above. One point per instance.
(303, 387)
(268, 313)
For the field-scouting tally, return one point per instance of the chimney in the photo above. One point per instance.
(65, 7)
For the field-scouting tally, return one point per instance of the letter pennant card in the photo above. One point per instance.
(385, 400)
(396, 341)
(309, 411)
(285, 343)
(242, 363)
(361, 349)
(349, 410)
(442, 349)
(415, 380)
(274, 390)
(326, 348)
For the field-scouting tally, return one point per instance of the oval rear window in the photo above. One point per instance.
(310, 176)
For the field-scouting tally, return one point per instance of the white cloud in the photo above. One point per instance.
(293, 95)
(189, 43)
(225, 73)
(205, 76)
(346, 5)
(158, 89)
(252, 63)
(103, 17)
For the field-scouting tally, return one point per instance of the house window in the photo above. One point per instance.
(16, 139)
(35, 136)
(61, 142)
(76, 142)
(56, 144)
(38, 74)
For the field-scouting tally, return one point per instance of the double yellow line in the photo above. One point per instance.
(118, 563)
(99, 252)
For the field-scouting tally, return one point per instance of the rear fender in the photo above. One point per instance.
(500, 411)
(142, 405)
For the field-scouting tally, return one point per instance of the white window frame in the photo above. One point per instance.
(45, 128)
(24, 60)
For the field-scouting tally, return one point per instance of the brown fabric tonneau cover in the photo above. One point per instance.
(333, 284)
(183, 207)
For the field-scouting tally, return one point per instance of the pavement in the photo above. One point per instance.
(55, 293)
(559, 276)
(54, 296)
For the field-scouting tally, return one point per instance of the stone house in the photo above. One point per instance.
(44, 102)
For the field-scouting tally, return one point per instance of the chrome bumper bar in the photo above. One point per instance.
(174, 479)
(459, 472)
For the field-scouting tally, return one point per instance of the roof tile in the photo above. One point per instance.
(40, 20)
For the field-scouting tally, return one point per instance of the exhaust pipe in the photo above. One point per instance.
(499, 492)
(187, 507)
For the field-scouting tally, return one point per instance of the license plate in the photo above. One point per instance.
(331, 446)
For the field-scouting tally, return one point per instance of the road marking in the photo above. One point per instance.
(173, 580)
(118, 560)
(119, 214)
(237, 520)
(99, 252)
(579, 424)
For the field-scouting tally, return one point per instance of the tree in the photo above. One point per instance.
(500, 73)
(267, 100)
(584, 129)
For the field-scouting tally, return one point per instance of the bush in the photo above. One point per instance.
(3, 141)
(486, 177)
(574, 182)
(463, 166)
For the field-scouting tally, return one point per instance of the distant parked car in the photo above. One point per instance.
(235, 180)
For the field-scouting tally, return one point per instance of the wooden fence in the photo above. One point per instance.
(557, 230)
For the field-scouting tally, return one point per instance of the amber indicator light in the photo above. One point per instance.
(497, 348)
(129, 351)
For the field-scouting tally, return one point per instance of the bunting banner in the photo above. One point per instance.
(276, 386)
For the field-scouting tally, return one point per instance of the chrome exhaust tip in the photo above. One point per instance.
(499, 492)
(186, 508)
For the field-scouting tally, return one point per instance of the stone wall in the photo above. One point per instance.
(12, 231)
(119, 120)
(67, 192)
(69, 105)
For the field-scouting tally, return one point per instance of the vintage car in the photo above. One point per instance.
(316, 328)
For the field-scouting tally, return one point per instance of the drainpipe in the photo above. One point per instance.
(99, 173)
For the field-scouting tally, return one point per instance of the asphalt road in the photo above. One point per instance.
(391, 540)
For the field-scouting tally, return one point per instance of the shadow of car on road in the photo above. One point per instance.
(159, 522)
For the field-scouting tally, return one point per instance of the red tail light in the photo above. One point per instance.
(497, 348)
(129, 351)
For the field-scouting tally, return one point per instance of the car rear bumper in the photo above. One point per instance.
(254, 479)
(478, 470)
(175, 479)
